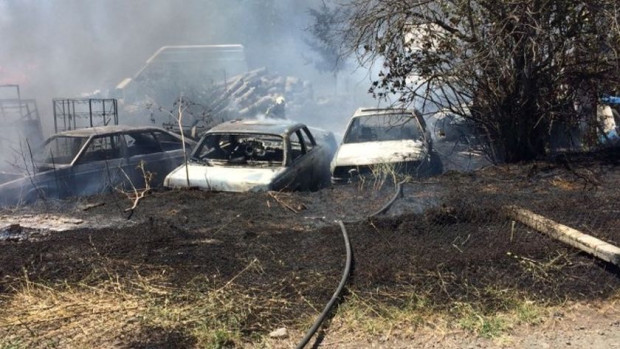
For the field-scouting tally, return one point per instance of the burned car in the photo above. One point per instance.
(254, 155)
(98, 159)
(391, 139)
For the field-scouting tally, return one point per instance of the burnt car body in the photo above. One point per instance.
(396, 138)
(95, 160)
(253, 155)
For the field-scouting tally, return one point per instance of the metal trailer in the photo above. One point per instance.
(19, 117)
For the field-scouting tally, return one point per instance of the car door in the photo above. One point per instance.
(319, 159)
(99, 167)
(143, 156)
(156, 152)
(54, 161)
(299, 164)
(173, 153)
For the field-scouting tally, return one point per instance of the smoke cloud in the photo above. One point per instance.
(63, 48)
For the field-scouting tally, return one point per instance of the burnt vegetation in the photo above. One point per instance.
(191, 268)
(224, 269)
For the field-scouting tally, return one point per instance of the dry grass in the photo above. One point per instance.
(272, 284)
(564, 184)
(406, 315)
(381, 175)
(125, 311)
(38, 315)
(134, 309)
(128, 311)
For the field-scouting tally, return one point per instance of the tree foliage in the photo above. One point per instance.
(512, 67)
(324, 37)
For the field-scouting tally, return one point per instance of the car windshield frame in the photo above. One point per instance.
(241, 149)
(383, 128)
(60, 150)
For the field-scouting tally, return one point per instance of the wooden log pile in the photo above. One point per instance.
(246, 96)
(252, 94)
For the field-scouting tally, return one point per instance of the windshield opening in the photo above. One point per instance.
(60, 150)
(379, 128)
(241, 149)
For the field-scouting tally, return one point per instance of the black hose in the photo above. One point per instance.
(332, 301)
(347, 268)
(399, 192)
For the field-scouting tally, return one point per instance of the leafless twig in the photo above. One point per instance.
(284, 204)
(136, 195)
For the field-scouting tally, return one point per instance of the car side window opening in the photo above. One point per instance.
(298, 147)
(140, 143)
(353, 133)
(167, 141)
(309, 141)
(60, 150)
(102, 148)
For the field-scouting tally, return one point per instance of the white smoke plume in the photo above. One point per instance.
(62, 48)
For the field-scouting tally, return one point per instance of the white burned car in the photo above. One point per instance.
(253, 155)
(392, 139)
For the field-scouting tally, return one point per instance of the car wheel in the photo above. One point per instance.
(33, 195)
(436, 165)
(322, 181)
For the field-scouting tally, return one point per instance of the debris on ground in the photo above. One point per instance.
(232, 267)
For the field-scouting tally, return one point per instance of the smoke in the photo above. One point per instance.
(63, 48)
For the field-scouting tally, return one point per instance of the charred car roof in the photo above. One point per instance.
(362, 112)
(255, 126)
(104, 130)
(382, 111)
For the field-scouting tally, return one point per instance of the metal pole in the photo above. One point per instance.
(105, 121)
(19, 100)
(55, 116)
(115, 104)
(74, 115)
(90, 111)
(64, 113)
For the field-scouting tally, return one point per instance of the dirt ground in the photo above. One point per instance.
(445, 238)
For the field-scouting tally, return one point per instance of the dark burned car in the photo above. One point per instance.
(253, 155)
(95, 160)
(389, 139)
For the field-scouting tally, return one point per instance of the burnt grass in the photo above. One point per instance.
(460, 250)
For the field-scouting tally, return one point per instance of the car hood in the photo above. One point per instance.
(223, 178)
(369, 153)
(13, 192)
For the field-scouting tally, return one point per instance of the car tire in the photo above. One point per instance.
(433, 166)
(41, 193)
(436, 165)
(33, 195)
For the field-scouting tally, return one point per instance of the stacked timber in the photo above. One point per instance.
(255, 94)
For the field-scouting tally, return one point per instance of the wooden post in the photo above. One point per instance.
(573, 237)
